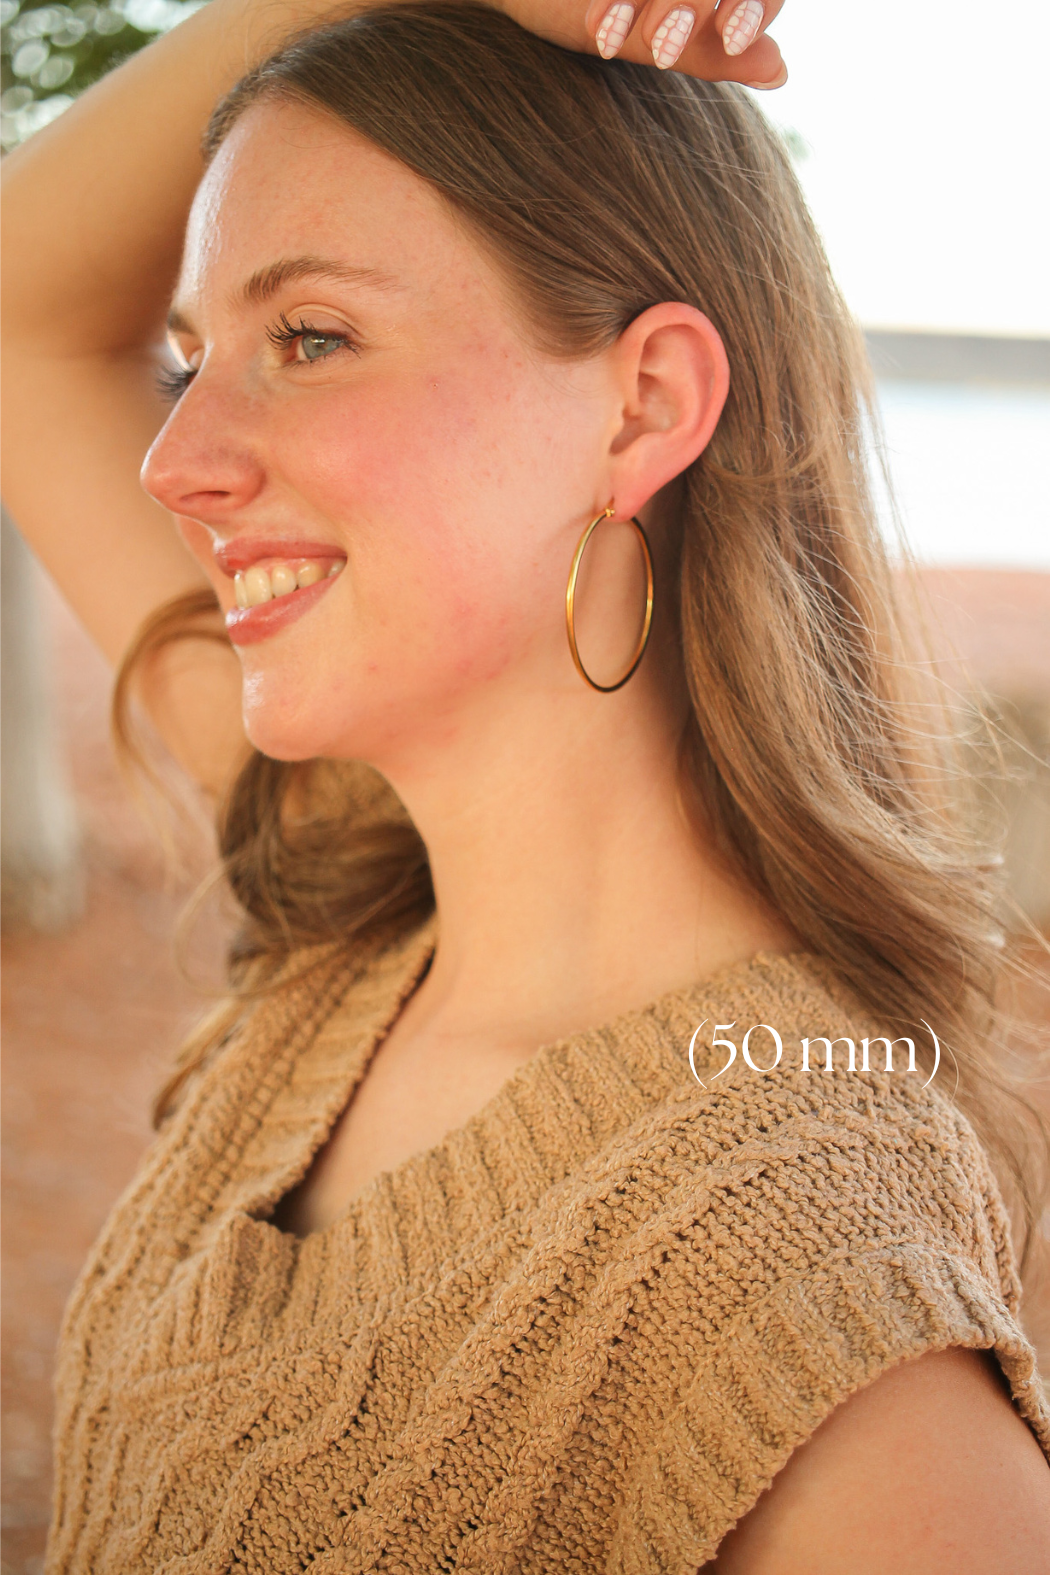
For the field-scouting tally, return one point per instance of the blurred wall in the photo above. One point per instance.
(41, 879)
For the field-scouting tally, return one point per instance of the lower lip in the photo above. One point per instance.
(249, 625)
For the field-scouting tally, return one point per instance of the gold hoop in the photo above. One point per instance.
(570, 601)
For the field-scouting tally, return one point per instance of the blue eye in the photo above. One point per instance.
(314, 343)
(316, 346)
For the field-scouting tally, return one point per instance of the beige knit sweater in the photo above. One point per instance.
(581, 1334)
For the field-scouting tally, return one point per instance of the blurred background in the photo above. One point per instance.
(923, 156)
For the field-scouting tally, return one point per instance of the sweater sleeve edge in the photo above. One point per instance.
(797, 1355)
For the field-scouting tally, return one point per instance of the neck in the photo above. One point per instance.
(570, 885)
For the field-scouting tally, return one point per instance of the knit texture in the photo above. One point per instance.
(582, 1333)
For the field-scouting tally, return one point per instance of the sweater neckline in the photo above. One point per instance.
(550, 1116)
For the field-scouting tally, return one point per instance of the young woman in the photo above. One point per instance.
(518, 445)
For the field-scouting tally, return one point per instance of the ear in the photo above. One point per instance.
(671, 379)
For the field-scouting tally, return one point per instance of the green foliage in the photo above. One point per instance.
(50, 53)
(796, 144)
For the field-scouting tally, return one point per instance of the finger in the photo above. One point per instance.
(761, 65)
(614, 24)
(687, 36)
(668, 35)
(679, 39)
(740, 22)
(741, 25)
(683, 35)
(610, 23)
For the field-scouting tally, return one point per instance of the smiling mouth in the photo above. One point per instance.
(272, 596)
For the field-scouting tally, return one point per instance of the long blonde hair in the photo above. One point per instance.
(810, 754)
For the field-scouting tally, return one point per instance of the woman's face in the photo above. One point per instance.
(411, 440)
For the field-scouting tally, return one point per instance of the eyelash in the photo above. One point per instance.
(285, 333)
(172, 382)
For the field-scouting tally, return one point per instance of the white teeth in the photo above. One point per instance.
(257, 586)
(252, 587)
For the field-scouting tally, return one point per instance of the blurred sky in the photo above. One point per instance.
(927, 169)
(969, 470)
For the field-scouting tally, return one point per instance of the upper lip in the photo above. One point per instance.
(234, 556)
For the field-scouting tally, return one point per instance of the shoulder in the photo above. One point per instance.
(810, 1238)
(785, 1060)
(855, 1208)
(928, 1468)
(773, 1078)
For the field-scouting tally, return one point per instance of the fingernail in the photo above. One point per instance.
(742, 28)
(672, 36)
(613, 29)
(778, 81)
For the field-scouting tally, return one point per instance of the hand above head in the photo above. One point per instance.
(720, 42)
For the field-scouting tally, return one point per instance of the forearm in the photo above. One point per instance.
(95, 205)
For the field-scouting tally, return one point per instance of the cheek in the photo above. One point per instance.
(446, 502)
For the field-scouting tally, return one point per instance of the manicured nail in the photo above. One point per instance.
(672, 36)
(778, 81)
(613, 29)
(742, 28)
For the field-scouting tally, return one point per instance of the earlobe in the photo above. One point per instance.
(673, 382)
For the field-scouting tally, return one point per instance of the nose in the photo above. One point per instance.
(204, 462)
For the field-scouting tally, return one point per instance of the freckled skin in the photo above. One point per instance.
(447, 458)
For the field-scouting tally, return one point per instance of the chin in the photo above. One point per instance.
(368, 712)
(292, 727)
(302, 737)
(318, 727)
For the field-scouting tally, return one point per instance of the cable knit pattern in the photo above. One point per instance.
(582, 1333)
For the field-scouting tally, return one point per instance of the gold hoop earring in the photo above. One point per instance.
(570, 601)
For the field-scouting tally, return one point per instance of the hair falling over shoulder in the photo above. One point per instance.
(815, 752)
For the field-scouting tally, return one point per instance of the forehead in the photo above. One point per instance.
(290, 180)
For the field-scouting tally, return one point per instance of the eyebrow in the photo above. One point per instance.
(266, 282)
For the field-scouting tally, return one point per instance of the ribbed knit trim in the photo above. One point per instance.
(558, 1109)
(782, 1370)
